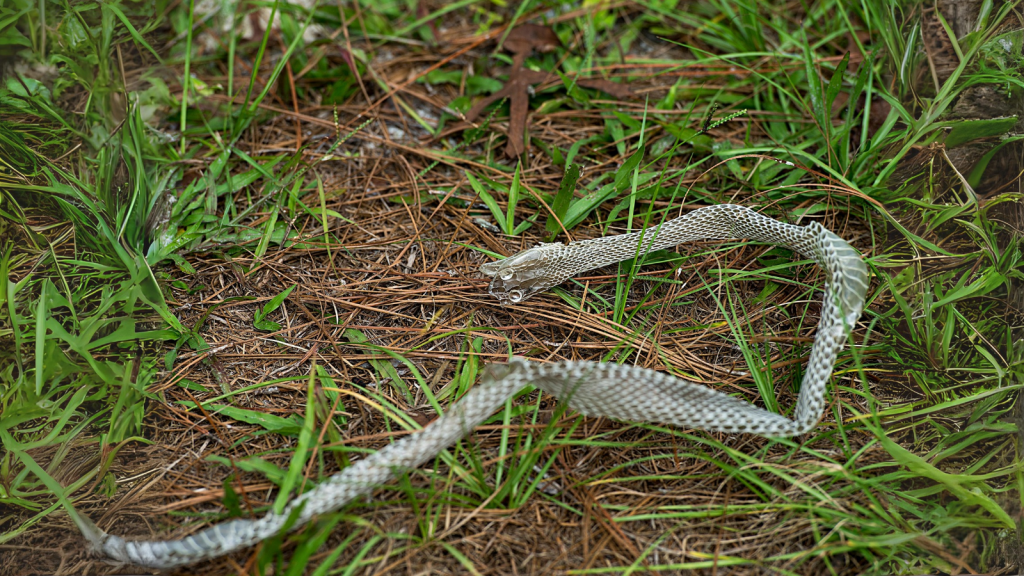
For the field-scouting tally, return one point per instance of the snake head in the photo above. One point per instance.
(518, 277)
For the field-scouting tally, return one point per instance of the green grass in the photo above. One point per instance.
(148, 155)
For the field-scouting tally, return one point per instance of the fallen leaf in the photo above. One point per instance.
(423, 418)
(521, 42)
(528, 37)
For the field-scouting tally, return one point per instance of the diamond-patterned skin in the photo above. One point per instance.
(597, 389)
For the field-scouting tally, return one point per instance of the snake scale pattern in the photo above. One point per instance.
(597, 389)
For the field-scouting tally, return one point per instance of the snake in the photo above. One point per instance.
(620, 391)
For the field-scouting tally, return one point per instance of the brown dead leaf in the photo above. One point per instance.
(423, 418)
(529, 37)
(521, 42)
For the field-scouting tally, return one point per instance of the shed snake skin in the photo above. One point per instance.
(597, 389)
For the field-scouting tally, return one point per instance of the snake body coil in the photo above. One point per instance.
(597, 389)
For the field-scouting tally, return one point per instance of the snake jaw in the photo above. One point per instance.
(519, 277)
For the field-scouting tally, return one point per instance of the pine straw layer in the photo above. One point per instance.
(401, 274)
(388, 279)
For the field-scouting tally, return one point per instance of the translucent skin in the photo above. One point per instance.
(597, 389)
(525, 274)
(518, 277)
